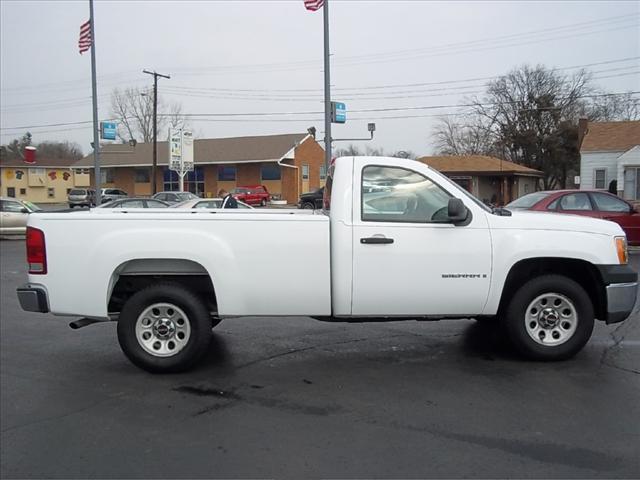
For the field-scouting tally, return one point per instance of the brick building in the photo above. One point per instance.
(287, 165)
(490, 179)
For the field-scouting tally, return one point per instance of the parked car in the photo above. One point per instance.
(252, 195)
(206, 203)
(81, 197)
(311, 200)
(136, 203)
(590, 203)
(168, 277)
(109, 194)
(14, 215)
(175, 197)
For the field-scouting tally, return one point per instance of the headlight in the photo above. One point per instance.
(621, 248)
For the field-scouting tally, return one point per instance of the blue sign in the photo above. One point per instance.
(108, 130)
(338, 112)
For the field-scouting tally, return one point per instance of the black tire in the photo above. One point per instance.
(71, 205)
(515, 318)
(197, 318)
(308, 206)
(263, 203)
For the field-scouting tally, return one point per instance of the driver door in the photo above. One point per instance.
(406, 260)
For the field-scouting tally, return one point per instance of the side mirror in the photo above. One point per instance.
(24, 210)
(456, 211)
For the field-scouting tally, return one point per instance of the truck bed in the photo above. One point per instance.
(259, 253)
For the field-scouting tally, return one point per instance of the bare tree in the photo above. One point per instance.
(607, 108)
(133, 110)
(350, 151)
(470, 136)
(531, 114)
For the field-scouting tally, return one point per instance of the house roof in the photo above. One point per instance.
(477, 165)
(611, 136)
(206, 150)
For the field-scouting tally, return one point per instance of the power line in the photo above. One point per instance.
(403, 85)
(369, 110)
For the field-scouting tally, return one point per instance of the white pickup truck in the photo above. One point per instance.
(396, 240)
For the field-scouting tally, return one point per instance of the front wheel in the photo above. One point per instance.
(549, 318)
(164, 328)
(308, 206)
(263, 203)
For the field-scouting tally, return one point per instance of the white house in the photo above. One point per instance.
(610, 157)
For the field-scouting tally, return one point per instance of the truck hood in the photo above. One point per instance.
(531, 220)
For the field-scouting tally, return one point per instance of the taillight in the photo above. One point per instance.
(36, 251)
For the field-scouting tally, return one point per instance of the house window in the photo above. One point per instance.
(270, 171)
(23, 191)
(142, 175)
(323, 172)
(83, 171)
(37, 171)
(11, 192)
(632, 183)
(226, 174)
(305, 172)
(526, 188)
(600, 177)
(51, 192)
(107, 175)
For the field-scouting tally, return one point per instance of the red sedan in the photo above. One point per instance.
(591, 203)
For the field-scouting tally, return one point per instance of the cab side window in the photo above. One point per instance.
(392, 194)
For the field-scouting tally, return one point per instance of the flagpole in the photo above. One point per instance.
(94, 89)
(327, 90)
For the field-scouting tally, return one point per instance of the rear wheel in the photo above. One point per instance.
(308, 206)
(164, 328)
(549, 318)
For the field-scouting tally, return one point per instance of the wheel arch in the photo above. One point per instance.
(133, 275)
(581, 271)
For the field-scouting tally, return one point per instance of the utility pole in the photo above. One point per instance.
(327, 90)
(154, 165)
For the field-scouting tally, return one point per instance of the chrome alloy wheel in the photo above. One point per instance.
(551, 319)
(163, 329)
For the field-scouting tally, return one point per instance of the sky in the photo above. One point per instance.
(397, 63)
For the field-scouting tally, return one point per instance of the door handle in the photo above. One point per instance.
(376, 240)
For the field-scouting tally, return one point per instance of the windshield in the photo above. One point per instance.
(32, 206)
(186, 196)
(528, 201)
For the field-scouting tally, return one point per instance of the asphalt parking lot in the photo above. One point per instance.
(298, 398)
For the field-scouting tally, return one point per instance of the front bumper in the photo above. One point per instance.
(33, 298)
(621, 284)
(621, 297)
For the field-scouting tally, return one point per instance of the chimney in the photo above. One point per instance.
(583, 129)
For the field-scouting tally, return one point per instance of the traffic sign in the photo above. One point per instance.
(108, 130)
(338, 112)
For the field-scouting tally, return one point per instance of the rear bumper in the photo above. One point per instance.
(33, 298)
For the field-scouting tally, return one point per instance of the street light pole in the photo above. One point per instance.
(327, 90)
(155, 127)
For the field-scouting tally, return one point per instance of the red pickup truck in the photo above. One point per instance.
(252, 194)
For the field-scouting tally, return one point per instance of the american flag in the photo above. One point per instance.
(85, 41)
(313, 5)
